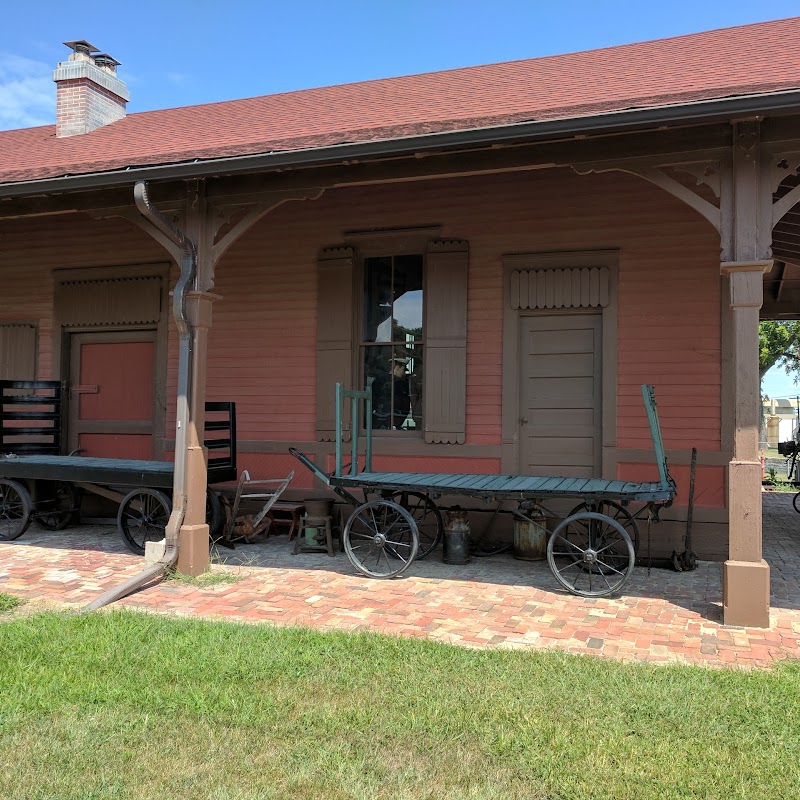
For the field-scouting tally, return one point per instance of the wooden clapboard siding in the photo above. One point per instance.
(709, 490)
(32, 249)
(262, 346)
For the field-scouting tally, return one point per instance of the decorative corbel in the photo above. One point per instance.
(207, 220)
(224, 214)
(784, 165)
(133, 215)
(704, 172)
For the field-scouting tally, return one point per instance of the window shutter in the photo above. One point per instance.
(446, 341)
(335, 271)
(17, 352)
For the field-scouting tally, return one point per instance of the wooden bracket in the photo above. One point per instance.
(705, 172)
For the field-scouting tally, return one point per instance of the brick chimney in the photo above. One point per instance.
(89, 94)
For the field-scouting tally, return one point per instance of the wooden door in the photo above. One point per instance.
(112, 394)
(560, 395)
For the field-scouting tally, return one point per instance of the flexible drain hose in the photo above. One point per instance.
(188, 265)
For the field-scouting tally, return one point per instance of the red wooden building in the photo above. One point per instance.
(510, 250)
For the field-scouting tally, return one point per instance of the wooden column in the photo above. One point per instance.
(193, 537)
(745, 573)
(746, 237)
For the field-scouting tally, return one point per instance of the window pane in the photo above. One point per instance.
(377, 299)
(397, 388)
(407, 298)
(377, 361)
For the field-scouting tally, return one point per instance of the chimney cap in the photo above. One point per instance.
(105, 60)
(82, 46)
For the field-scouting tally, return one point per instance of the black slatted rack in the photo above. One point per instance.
(31, 417)
(220, 440)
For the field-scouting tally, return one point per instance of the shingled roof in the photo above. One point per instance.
(732, 62)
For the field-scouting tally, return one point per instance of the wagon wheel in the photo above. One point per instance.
(215, 516)
(58, 510)
(591, 554)
(430, 527)
(381, 539)
(143, 517)
(15, 510)
(608, 508)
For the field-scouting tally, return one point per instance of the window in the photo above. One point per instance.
(393, 340)
(394, 322)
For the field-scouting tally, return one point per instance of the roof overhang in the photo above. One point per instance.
(636, 119)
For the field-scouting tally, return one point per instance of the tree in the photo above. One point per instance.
(778, 344)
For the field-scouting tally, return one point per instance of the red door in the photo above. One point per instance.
(112, 394)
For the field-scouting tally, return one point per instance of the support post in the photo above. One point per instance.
(745, 573)
(193, 537)
(746, 236)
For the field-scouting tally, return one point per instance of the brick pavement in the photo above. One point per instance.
(495, 602)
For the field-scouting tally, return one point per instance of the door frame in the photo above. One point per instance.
(62, 333)
(510, 448)
(112, 335)
(595, 314)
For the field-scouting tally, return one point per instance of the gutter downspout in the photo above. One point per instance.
(188, 265)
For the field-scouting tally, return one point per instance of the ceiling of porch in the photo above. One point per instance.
(782, 282)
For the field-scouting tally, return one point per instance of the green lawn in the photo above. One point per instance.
(126, 705)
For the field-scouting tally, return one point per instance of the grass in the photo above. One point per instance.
(134, 706)
(8, 602)
(208, 580)
(781, 486)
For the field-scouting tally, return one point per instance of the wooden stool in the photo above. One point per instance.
(324, 535)
(286, 516)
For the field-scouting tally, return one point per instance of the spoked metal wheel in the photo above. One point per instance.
(430, 526)
(381, 539)
(591, 555)
(15, 510)
(619, 513)
(796, 502)
(143, 517)
(56, 512)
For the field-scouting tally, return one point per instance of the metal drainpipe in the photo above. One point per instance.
(187, 278)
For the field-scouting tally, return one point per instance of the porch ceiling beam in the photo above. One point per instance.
(115, 201)
(781, 131)
(653, 149)
(659, 148)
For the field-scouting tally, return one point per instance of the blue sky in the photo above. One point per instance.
(777, 383)
(182, 52)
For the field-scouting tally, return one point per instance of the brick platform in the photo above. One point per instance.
(494, 602)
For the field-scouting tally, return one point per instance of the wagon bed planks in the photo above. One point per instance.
(516, 487)
(80, 469)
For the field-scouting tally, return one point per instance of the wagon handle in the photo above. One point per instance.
(309, 464)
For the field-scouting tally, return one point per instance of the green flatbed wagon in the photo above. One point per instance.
(591, 552)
